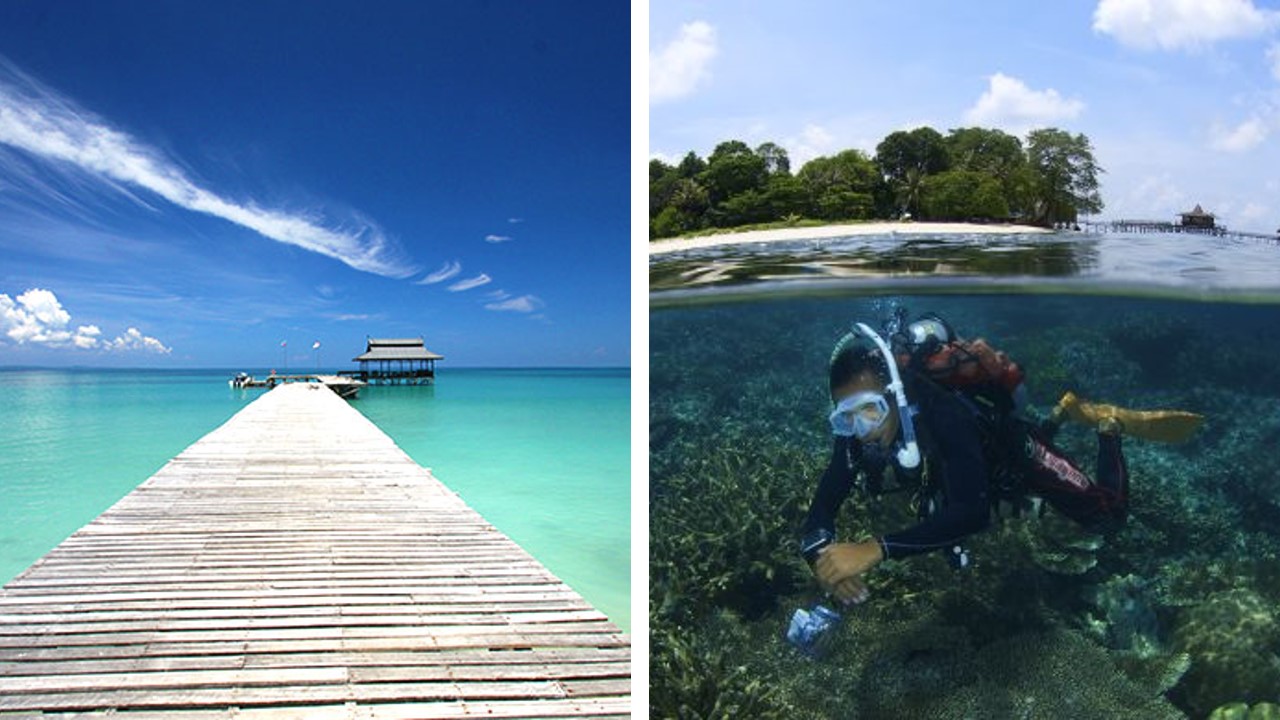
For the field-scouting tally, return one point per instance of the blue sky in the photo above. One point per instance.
(192, 184)
(1181, 98)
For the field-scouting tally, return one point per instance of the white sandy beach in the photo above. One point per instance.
(657, 247)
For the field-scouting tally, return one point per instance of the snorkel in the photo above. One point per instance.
(909, 453)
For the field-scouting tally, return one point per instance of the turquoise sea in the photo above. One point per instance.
(543, 454)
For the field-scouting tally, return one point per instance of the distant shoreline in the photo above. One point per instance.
(658, 247)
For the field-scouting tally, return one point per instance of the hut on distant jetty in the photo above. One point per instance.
(1197, 219)
(396, 361)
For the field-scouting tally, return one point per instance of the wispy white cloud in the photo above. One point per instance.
(469, 283)
(498, 295)
(522, 304)
(1181, 24)
(1243, 137)
(40, 122)
(36, 317)
(497, 238)
(678, 68)
(1273, 60)
(446, 271)
(1010, 104)
(515, 220)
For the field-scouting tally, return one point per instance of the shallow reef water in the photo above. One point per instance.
(1173, 615)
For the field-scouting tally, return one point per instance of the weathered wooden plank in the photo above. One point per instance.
(495, 642)
(459, 635)
(323, 675)
(560, 656)
(581, 621)
(172, 679)
(296, 563)
(546, 709)
(203, 697)
(495, 574)
(279, 606)
(462, 591)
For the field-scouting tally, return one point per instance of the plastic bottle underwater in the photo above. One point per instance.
(812, 631)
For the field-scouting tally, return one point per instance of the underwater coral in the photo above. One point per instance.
(1173, 615)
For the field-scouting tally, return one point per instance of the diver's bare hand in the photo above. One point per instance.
(851, 591)
(840, 565)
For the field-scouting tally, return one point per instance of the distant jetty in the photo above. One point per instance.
(1195, 222)
(385, 361)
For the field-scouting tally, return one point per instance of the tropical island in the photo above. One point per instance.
(970, 175)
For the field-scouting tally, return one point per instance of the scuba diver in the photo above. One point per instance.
(946, 415)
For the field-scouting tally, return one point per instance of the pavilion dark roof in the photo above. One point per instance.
(396, 349)
(1197, 212)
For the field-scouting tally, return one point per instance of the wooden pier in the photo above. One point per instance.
(295, 563)
(1160, 226)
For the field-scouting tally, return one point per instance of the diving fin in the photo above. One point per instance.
(1170, 426)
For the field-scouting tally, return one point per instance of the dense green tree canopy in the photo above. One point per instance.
(733, 169)
(1065, 176)
(987, 151)
(971, 173)
(840, 187)
(906, 158)
(963, 195)
(691, 166)
(922, 150)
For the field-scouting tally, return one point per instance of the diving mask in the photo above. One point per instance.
(928, 334)
(860, 414)
(908, 453)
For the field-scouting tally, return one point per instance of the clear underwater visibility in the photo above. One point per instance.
(1175, 615)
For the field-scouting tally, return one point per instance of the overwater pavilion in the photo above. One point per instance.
(396, 361)
(1197, 219)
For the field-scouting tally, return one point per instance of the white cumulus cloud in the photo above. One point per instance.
(86, 337)
(1180, 24)
(133, 339)
(522, 304)
(36, 317)
(446, 271)
(36, 120)
(1009, 103)
(469, 283)
(679, 67)
(1245, 136)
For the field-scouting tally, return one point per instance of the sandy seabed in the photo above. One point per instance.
(657, 247)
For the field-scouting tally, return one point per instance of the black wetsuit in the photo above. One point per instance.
(951, 435)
